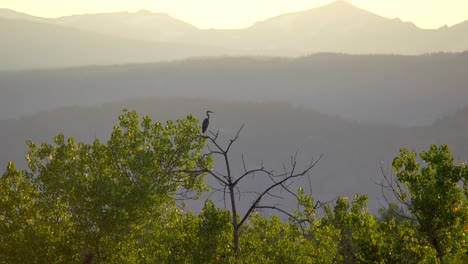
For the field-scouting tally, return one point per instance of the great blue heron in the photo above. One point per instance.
(206, 122)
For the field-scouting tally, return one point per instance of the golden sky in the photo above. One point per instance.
(242, 13)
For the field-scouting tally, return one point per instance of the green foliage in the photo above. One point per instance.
(114, 203)
(214, 235)
(437, 197)
(302, 239)
(182, 237)
(395, 213)
(78, 199)
(358, 239)
(363, 239)
(269, 241)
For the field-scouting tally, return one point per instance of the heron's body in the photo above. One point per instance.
(206, 122)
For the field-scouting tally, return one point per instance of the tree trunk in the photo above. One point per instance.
(235, 225)
(435, 243)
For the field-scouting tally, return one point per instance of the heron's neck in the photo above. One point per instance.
(208, 114)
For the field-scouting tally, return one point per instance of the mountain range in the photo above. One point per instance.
(30, 44)
(386, 89)
(124, 37)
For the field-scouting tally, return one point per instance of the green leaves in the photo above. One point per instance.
(113, 202)
(93, 198)
(436, 198)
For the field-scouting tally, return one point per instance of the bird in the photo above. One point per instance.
(206, 122)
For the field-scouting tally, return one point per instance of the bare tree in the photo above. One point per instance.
(229, 182)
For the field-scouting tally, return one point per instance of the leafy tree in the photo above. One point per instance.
(302, 239)
(358, 239)
(363, 239)
(436, 195)
(401, 237)
(96, 201)
(18, 236)
(214, 235)
(393, 212)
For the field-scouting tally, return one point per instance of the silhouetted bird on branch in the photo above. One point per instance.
(206, 122)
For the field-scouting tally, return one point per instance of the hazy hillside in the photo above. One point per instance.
(457, 121)
(458, 35)
(27, 45)
(139, 25)
(403, 90)
(336, 27)
(352, 153)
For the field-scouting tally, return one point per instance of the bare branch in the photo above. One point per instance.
(251, 172)
(203, 171)
(215, 136)
(284, 212)
(284, 187)
(319, 204)
(229, 183)
(243, 163)
(300, 221)
(388, 184)
(291, 176)
(234, 139)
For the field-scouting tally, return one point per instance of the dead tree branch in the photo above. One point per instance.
(229, 182)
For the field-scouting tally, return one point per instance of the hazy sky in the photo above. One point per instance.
(242, 13)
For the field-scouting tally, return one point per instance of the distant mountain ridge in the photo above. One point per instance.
(144, 25)
(388, 89)
(337, 27)
(33, 45)
(11, 14)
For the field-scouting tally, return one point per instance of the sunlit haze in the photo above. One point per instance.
(242, 13)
